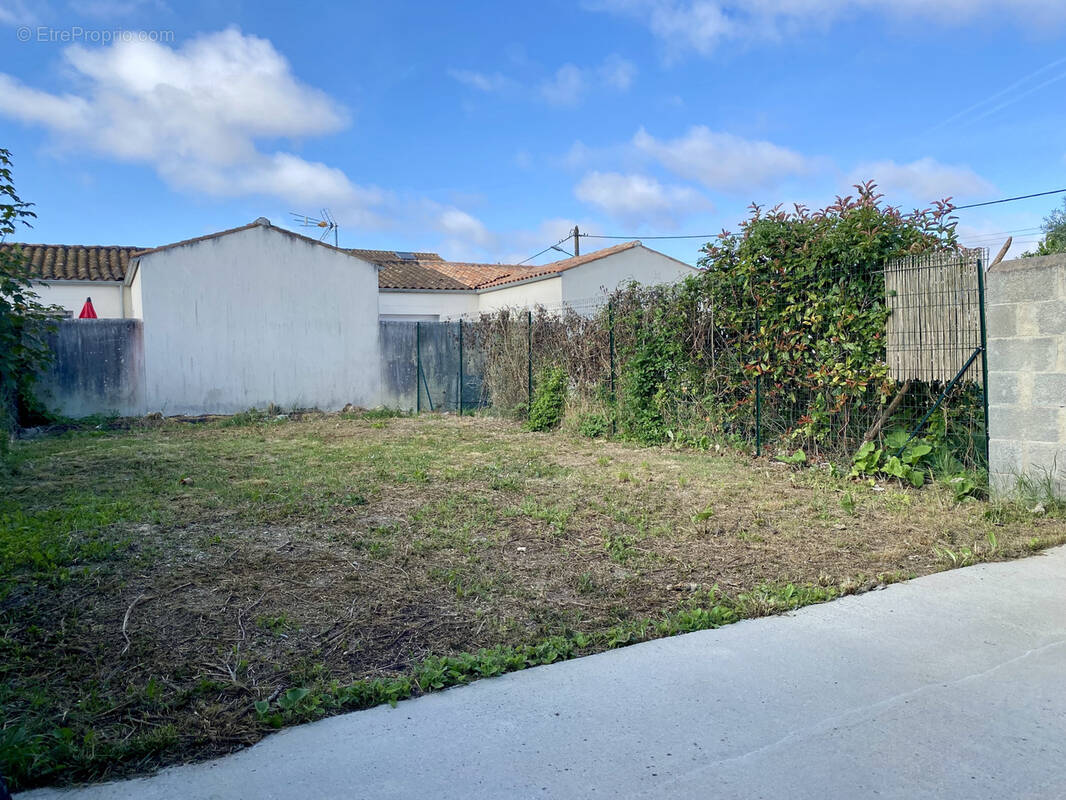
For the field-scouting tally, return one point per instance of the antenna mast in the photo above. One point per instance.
(326, 222)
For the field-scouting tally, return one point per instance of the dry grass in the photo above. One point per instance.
(161, 580)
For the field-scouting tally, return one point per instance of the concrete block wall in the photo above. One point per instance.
(1025, 303)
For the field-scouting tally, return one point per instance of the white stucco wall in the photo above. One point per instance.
(547, 292)
(106, 295)
(425, 306)
(135, 309)
(257, 317)
(606, 274)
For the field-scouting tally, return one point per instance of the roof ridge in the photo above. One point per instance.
(78, 246)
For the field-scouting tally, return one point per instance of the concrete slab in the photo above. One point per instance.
(950, 686)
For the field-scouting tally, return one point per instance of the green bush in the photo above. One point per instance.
(24, 321)
(549, 399)
(794, 300)
(593, 425)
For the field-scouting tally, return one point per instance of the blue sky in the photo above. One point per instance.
(485, 130)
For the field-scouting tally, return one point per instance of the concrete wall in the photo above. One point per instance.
(255, 317)
(426, 306)
(106, 295)
(98, 368)
(594, 279)
(1026, 308)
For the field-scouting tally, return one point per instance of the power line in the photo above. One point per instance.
(1033, 229)
(1009, 199)
(713, 235)
(687, 236)
(545, 250)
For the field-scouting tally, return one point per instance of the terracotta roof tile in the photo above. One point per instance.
(63, 262)
(486, 276)
(402, 270)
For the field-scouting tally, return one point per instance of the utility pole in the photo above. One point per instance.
(577, 241)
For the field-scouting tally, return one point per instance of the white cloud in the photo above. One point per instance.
(16, 12)
(617, 73)
(637, 198)
(923, 181)
(459, 225)
(195, 114)
(117, 9)
(482, 81)
(723, 160)
(703, 25)
(571, 83)
(566, 87)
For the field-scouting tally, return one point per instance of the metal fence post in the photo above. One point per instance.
(610, 342)
(460, 392)
(529, 361)
(418, 367)
(758, 415)
(984, 356)
(758, 388)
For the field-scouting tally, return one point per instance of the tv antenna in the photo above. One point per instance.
(326, 222)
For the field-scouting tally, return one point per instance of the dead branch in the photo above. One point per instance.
(888, 412)
(1002, 252)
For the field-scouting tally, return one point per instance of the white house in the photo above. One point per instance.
(69, 274)
(422, 286)
(411, 286)
(245, 317)
(253, 316)
(258, 314)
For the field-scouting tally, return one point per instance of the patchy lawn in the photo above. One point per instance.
(175, 591)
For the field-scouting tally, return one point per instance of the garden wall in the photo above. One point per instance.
(98, 368)
(1026, 308)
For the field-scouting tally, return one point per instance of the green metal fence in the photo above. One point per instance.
(902, 348)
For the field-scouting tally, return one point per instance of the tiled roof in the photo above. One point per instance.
(63, 262)
(409, 271)
(413, 275)
(428, 270)
(383, 256)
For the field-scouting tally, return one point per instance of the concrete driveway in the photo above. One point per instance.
(950, 686)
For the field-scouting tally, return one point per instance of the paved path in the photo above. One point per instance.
(950, 686)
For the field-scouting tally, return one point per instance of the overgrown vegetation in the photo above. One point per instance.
(176, 590)
(549, 399)
(784, 327)
(23, 320)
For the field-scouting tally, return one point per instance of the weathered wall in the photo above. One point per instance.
(397, 342)
(1026, 308)
(438, 389)
(256, 317)
(98, 368)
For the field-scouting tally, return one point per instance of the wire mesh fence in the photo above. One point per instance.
(879, 353)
